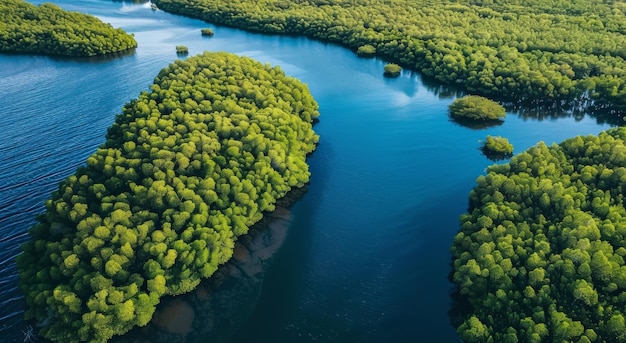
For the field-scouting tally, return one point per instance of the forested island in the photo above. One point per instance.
(186, 168)
(48, 29)
(534, 51)
(541, 252)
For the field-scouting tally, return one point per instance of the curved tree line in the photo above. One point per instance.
(48, 29)
(186, 169)
(541, 252)
(524, 51)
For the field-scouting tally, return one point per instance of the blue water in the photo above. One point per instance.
(366, 259)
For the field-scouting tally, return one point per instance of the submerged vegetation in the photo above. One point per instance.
(541, 252)
(536, 51)
(48, 29)
(186, 169)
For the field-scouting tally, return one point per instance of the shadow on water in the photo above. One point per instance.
(219, 305)
(476, 124)
(279, 299)
(573, 109)
(80, 59)
(495, 156)
(218, 309)
(460, 307)
(442, 91)
(534, 110)
(405, 83)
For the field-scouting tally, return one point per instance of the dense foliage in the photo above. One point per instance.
(392, 70)
(527, 50)
(48, 29)
(366, 51)
(186, 168)
(207, 32)
(473, 107)
(182, 49)
(540, 254)
(497, 147)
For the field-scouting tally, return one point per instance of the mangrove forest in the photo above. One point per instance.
(186, 168)
(47, 29)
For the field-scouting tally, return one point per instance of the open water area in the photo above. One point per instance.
(366, 255)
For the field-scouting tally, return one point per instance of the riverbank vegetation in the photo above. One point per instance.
(541, 252)
(538, 51)
(476, 108)
(48, 29)
(186, 168)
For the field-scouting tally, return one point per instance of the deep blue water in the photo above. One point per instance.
(366, 259)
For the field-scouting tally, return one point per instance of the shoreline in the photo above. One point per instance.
(220, 304)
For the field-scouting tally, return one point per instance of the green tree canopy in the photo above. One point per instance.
(186, 168)
(48, 29)
(529, 51)
(540, 255)
(473, 107)
(392, 70)
(497, 147)
(207, 32)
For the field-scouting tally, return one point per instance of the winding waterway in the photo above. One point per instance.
(366, 257)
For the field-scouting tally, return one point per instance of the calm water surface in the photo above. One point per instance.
(366, 259)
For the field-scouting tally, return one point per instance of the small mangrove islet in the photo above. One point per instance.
(207, 32)
(182, 50)
(476, 108)
(497, 147)
(392, 70)
(186, 168)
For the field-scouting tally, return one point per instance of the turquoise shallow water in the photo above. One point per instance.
(366, 259)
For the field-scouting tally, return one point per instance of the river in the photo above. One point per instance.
(366, 255)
